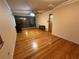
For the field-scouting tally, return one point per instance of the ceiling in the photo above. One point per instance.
(39, 6)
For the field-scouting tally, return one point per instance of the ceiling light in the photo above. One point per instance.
(22, 18)
(32, 14)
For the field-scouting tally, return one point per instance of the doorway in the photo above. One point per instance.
(50, 23)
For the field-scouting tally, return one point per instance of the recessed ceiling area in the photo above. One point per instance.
(37, 6)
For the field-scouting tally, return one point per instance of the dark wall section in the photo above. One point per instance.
(26, 21)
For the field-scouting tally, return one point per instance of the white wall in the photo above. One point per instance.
(7, 31)
(66, 22)
(42, 19)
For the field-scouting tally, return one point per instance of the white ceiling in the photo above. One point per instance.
(35, 5)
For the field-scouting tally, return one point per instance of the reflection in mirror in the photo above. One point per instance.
(1, 42)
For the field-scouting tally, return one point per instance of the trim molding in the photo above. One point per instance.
(65, 4)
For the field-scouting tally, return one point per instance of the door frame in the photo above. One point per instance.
(50, 23)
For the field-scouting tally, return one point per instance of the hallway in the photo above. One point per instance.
(37, 44)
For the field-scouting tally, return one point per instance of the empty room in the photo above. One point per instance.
(39, 29)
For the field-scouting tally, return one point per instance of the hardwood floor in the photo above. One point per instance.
(37, 44)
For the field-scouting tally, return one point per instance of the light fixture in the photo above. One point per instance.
(32, 14)
(22, 18)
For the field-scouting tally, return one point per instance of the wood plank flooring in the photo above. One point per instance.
(37, 44)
